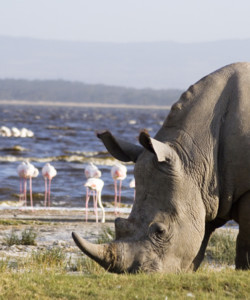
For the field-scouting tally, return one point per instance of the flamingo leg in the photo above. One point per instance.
(120, 193)
(21, 189)
(46, 192)
(31, 200)
(95, 205)
(25, 191)
(115, 185)
(49, 203)
(101, 206)
(87, 203)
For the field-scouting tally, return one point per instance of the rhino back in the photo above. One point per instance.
(211, 121)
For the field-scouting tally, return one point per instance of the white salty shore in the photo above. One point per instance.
(53, 228)
(82, 104)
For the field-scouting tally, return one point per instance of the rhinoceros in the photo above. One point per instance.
(191, 178)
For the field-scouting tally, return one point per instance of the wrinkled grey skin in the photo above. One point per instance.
(191, 178)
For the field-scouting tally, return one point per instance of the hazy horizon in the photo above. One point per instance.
(135, 43)
(155, 65)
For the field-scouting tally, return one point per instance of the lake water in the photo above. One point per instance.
(65, 137)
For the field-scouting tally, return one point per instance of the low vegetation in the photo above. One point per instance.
(49, 258)
(51, 274)
(106, 236)
(28, 237)
(221, 249)
(11, 222)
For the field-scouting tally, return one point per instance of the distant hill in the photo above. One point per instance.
(158, 65)
(66, 91)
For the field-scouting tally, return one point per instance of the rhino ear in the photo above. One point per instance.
(163, 151)
(119, 149)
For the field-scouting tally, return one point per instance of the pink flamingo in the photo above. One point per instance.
(91, 171)
(118, 172)
(26, 171)
(96, 184)
(33, 174)
(21, 171)
(48, 172)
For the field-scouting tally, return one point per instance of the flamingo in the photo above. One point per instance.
(132, 185)
(24, 132)
(48, 172)
(33, 174)
(15, 132)
(118, 172)
(26, 171)
(21, 173)
(96, 184)
(5, 131)
(91, 171)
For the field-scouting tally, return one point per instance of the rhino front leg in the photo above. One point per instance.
(209, 229)
(242, 260)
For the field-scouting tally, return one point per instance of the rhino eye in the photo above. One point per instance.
(158, 229)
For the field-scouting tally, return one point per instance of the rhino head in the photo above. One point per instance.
(166, 226)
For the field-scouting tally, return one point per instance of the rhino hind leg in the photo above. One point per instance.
(242, 260)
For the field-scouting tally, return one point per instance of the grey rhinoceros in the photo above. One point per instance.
(191, 178)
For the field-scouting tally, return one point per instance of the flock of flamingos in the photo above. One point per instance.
(94, 184)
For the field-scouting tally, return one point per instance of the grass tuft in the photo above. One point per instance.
(221, 248)
(54, 257)
(28, 237)
(106, 236)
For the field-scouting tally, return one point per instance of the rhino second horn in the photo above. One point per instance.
(123, 228)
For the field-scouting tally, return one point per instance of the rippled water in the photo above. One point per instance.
(66, 137)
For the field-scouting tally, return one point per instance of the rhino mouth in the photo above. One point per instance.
(120, 257)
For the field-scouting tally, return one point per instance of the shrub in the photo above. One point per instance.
(28, 237)
(13, 239)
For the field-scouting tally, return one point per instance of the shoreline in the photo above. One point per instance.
(85, 104)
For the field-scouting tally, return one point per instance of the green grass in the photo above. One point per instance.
(49, 274)
(49, 258)
(227, 284)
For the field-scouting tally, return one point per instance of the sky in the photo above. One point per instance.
(184, 21)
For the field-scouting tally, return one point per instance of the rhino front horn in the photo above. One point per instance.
(104, 255)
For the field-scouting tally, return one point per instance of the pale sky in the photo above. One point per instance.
(126, 20)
